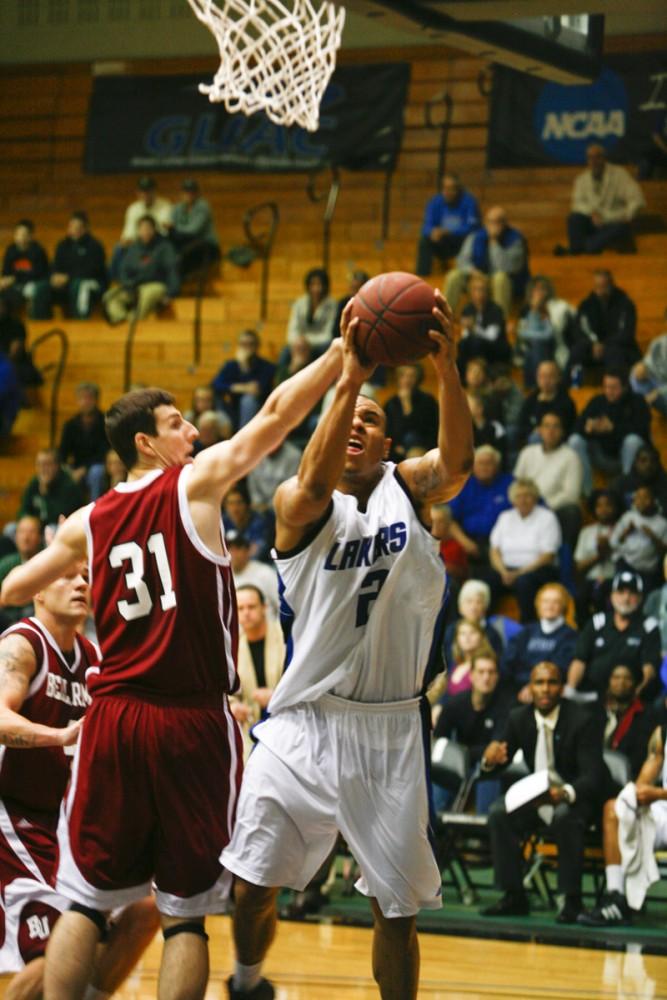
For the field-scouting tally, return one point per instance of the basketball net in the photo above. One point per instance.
(275, 57)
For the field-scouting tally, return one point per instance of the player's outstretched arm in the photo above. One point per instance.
(216, 468)
(440, 474)
(302, 500)
(67, 548)
(17, 669)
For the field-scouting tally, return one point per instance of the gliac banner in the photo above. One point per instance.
(536, 122)
(163, 123)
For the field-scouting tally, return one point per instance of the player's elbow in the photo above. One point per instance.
(11, 593)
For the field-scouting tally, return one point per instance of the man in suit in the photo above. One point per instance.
(555, 735)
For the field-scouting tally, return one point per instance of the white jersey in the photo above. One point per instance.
(360, 601)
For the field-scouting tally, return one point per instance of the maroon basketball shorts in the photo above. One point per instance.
(152, 800)
(29, 905)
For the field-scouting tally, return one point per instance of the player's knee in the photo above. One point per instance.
(255, 897)
(140, 919)
(399, 929)
(172, 928)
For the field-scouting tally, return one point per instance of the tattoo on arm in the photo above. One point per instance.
(428, 477)
(17, 741)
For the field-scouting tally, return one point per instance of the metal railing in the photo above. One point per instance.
(331, 196)
(58, 367)
(200, 277)
(444, 124)
(262, 243)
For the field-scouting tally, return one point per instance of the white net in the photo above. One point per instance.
(274, 57)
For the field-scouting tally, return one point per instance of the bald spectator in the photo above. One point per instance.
(450, 216)
(605, 200)
(497, 250)
(28, 541)
(51, 493)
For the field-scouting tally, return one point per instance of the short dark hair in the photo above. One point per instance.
(616, 371)
(132, 414)
(28, 223)
(252, 586)
(147, 218)
(80, 216)
(318, 272)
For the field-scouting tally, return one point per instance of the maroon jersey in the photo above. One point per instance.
(35, 779)
(165, 608)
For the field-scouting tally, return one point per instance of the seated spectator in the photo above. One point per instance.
(561, 315)
(504, 402)
(468, 640)
(203, 400)
(478, 383)
(412, 414)
(485, 430)
(536, 334)
(79, 273)
(473, 604)
(250, 572)
(261, 657)
(11, 395)
(313, 314)
(298, 357)
(524, 545)
(549, 638)
(449, 217)
(115, 471)
(239, 516)
(473, 718)
(243, 383)
(611, 428)
(605, 200)
(263, 481)
(549, 395)
(656, 607)
(497, 250)
(213, 428)
(558, 474)
(192, 231)
(556, 736)
(621, 635)
(592, 556)
(357, 279)
(51, 493)
(605, 328)
(28, 541)
(147, 202)
(646, 470)
(626, 722)
(25, 273)
(649, 376)
(83, 443)
(477, 506)
(639, 540)
(13, 344)
(452, 552)
(483, 333)
(148, 276)
(647, 797)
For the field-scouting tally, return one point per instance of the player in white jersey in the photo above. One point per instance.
(362, 587)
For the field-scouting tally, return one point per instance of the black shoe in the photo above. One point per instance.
(263, 991)
(613, 911)
(572, 908)
(512, 904)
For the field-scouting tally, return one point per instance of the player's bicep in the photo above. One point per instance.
(17, 669)
(428, 479)
(217, 467)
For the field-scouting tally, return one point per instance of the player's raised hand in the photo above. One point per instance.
(353, 365)
(444, 354)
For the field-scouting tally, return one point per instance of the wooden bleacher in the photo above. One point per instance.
(42, 127)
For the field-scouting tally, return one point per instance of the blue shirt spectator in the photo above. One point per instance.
(242, 384)
(483, 497)
(450, 216)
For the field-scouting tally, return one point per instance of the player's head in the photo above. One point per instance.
(368, 445)
(546, 686)
(251, 605)
(67, 599)
(147, 430)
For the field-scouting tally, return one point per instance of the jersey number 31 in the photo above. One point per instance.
(130, 552)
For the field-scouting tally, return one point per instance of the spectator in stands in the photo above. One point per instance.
(654, 156)
(646, 470)
(557, 472)
(51, 493)
(148, 276)
(605, 200)
(550, 395)
(203, 400)
(250, 572)
(505, 402)
(639, 540)
(592, 555)
(469, 639)
(560, 313)
(452, 552)
(10, 395)
(213, 428)
(261, 656)
(483, 333)
(28, 541)
(298, 357)
(536, 334)
(548, 638)
(555, 736)
(13, 344)
(473, 718)
(313, 314)
(450, 216)
(25, 273)
(482, 499)
(485, 430)
(498, 250)
(524, 544)
(611, 428)
(605, 328)
(412, 414)
(626, 722)
(357, 279)
(147, 202)
(274, 469)
(626, 888)
(239, 516)
(83, 444)
(477, 382)
(649, 376)
(473, 604)
(114, 469)
(79, 273)
(620, 635)
(192, 231)
(656, 607)
(244, 382)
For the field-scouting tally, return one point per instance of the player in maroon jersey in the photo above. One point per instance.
(44, 665)
(155, 780)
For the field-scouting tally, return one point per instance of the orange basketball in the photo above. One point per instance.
(395, 312)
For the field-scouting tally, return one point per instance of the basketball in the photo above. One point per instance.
(395, 313)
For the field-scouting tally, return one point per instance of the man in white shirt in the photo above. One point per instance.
(605, 200)
(252, 572)
(556, 470)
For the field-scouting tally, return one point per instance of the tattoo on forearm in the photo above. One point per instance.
(17, 740)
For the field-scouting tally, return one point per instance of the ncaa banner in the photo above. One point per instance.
(535, 122)
(153, 123)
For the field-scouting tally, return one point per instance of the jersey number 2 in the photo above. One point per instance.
(134, 578)
(374, 583)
